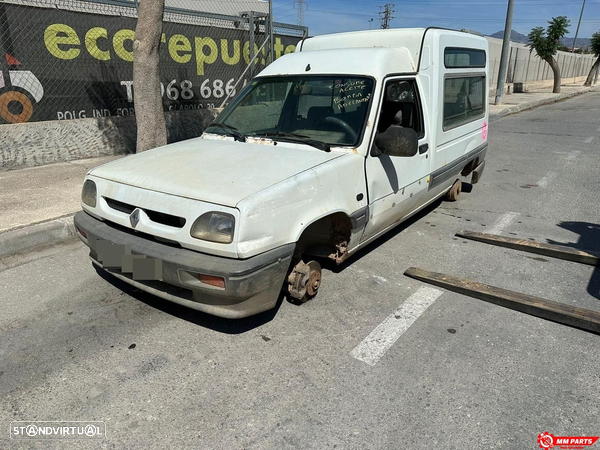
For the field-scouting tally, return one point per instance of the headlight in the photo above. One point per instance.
(88, 193)
(214, 227)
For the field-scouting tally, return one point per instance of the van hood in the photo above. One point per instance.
(215, 171)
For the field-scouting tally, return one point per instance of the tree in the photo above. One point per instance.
(547, 42)
(149, 112)
(595, 48)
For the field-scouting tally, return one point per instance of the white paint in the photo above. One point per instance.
(572, 155)
(379, 279)
(374, 346)
(546, 179)
(590, 140)
(28, 81)
(503, 221)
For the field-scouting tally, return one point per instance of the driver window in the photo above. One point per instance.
(401, 107)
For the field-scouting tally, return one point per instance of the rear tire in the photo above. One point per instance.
(454, 191)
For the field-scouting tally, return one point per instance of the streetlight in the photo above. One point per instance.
(370, 22)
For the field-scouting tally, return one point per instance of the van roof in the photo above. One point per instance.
(409, 38)
(376, 52)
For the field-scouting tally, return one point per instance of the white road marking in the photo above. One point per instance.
(374, 346)
(503, 221)
(545, 180)
(572, 155)
(590, 139)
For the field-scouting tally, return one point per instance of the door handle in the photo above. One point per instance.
(423, 149)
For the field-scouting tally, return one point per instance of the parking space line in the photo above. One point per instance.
(590, 139)
(545, 180)
(374, 346)
(572, 155)
(504, 221)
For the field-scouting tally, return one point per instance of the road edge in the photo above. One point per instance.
(43, 234)
(534, 104)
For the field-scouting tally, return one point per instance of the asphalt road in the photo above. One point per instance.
(465, 374)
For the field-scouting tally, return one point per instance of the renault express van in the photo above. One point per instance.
(326, 150)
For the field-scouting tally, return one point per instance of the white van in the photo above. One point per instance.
(326, 150)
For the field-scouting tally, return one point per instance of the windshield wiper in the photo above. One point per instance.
(232, 131)
(296, 137)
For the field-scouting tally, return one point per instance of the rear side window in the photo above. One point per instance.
(462, 58)
(464, 100)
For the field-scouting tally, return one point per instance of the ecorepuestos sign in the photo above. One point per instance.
(81, 64)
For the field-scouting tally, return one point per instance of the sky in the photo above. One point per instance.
(484, 16)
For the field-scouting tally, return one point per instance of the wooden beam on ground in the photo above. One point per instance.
(584, 319)
(553, 251)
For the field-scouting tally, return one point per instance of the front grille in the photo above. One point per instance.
(154, 216)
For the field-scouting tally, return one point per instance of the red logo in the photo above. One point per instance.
(547, 440)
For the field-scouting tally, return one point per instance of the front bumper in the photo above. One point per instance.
(252, 285)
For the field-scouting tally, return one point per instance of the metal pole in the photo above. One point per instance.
(505, 48)
(271, 47)
(578, 24)
(251, 41)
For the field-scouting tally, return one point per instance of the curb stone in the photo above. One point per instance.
(533, 104)
(28, 238)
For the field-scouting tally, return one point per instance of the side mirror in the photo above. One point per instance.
(397, 141)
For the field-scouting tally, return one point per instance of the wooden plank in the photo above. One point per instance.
(553, 251)
(584, 319)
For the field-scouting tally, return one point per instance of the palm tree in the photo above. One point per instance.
(547, 42)
(595, 47)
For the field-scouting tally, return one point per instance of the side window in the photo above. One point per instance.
(457, 58)
(464, 100)
(401, 106)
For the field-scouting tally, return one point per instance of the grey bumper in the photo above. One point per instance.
(252, 285)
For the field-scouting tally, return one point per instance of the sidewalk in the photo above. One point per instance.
(514, 103)
(37, 203)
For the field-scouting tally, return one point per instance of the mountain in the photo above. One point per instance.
(515, 36)
(581, 42)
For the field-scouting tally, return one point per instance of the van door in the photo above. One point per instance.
(397, 185)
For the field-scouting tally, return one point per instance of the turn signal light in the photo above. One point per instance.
(213, 281)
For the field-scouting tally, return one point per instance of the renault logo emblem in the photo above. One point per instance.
(134, 218)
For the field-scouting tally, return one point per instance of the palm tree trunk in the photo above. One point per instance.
(149, 112)
(592, 74)
(556, 72)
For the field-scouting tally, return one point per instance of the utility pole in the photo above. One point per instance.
(271, 44)
(578, 25)
(385, 16)
(505, 48)
(301, 5)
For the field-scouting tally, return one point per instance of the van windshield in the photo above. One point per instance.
(316, 110)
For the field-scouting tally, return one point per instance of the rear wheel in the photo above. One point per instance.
(454, 191)
(304, 281)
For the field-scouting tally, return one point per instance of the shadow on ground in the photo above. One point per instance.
(228, 326)
(589, 240)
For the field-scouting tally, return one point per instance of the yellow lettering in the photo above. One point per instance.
(247, 51)
(231, 60)
(91, 43)
(201, 57)
(53, 40)
(278, 48)
(179, 43)
(290, 49)
(118, 44)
